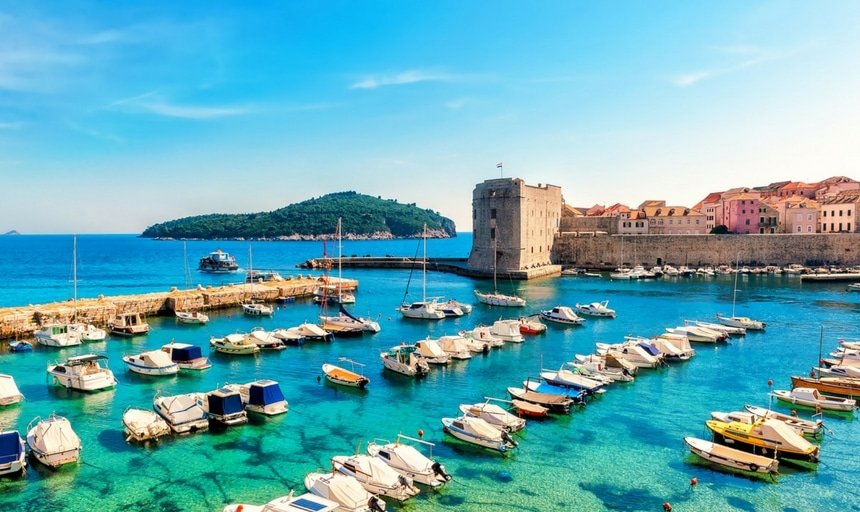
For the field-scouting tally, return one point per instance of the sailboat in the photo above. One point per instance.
(425, 310)
(250, 307)
(739, 321)
(189, 317)
(496, 298)
(59, 335)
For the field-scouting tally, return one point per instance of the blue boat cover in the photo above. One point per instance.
(10, 447)
(651, 349)
(347, 313)
(185, 354)
(224, 405)
(265, 395)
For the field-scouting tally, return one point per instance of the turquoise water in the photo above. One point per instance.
(622, 452)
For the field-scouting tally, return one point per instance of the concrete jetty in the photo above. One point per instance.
(22, 322)
(459, 266)
(843, 277)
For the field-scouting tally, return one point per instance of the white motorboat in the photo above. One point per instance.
(622, 275)
(143, 425)
(345, 319)
(741, 321)
(57, 335)
(679, 341)
(500, 299)
(483, 334)
(611, 361)
(187, 357)
(851, 345)
(730, 457)
(306, 502)
(455, 347)
(854, 287)
(225, 406)
(311, 332)
(452, 308)
(408, 461)
(154, 362)
(264, 339)
(422, 310)
(375, 476)
(598, 309)
(810, 397)
(261, 397)
(477, 431)
(561, 315)
(595, 367)
(83, 373)
(257, 309)
(87, 332)
(13, 456)
(471, 344)
(289, 337)
(9, 392)
(128, 324)
(344, 490)
(495, 415)
(234, 344)
(571, 379)
(633, 353)
(184, 413)
(507, 330)
(807, 427)
(840, 370)
(191, 317)
(218, 262)
(667, 348)
(731, 331)
(697, 334)
(53, 441)
(431, 352)
(403, 359)
(344, 377)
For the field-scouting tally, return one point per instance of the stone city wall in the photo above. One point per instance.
(606, 252)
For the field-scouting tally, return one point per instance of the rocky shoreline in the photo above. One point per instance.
(295, 237)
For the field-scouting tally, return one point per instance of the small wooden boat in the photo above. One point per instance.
(20, 346)
(731, 458)
(532, 325)
(529, 409)
(344, 377)
(811, 397)
(191, 317)
(128, 324)
(477, 431)
(807, 427)
(829, 385)
(142, 425)
(558, 404)
(766, 437)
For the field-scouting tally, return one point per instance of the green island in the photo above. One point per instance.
(363, 217)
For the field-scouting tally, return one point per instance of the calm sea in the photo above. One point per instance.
(624, 451)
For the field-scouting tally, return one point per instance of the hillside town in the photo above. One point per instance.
(785, 207)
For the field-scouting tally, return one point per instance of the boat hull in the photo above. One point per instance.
(829, 386)
(731, 458)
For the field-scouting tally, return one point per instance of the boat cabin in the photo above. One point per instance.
(225, 406)
(263, 393)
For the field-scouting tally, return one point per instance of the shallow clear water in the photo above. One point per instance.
(622, 452)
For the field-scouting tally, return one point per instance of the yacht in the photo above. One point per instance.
(53, 442)
(403, 359)
(218, 262)
(83, 373)
(598, 309)
(225, 406)
(128, 324)
(561, 315)
(477, 431)
(234, 344)
(408, 461)
(57, 335)
(154, 362)
(9, 392)
(13, 456)
(741, 321)
(375, 476)
(186, 357)
(346, 491)
(257, 309)
(184, 413)
(423, 310)
(345, 319)
(143, 425)
(500, 299)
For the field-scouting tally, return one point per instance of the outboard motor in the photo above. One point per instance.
(406, 482)
(373, 503)
(439, 470)
(507, 438)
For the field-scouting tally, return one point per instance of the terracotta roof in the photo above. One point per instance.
(849, 197)
(798, 185)
(742, 196)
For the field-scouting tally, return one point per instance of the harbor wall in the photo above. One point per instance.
(610, 251)
(22, 322)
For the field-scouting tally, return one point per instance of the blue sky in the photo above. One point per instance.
(117, 115)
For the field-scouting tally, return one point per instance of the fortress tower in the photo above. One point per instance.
(519, 222)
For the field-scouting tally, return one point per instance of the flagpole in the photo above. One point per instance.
(501, 170)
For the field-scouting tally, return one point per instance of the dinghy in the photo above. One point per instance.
(344, 377)
(408, 461)
(142, 425)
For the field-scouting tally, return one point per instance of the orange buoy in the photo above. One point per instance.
(694, 482)
(420, 432)
(667, 507)
(240, 508)
(769, 382)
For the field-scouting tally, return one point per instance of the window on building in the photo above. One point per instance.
(474, 214)
(831, 227)
(809, 229)
(492, 213)
(840, 226)
(809, 216)
(798, 229)
(849, 213)
(824, 213)
(840, 213)
(533, 250)
(747, 223)
(849, 227)
(492, 233)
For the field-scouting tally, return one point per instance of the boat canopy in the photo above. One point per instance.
(186, 353)
(776, 430)
(182, 408)
(264, 393)
(347, 491)
(10, 447)
(225, 401)
(56, 435)
(651, 349)
(8, 388)
(88, 358)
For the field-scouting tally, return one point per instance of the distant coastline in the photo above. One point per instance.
(381, 235)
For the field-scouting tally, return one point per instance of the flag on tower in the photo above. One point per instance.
(499, 165)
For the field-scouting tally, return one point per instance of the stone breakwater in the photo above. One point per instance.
(18, 322)
(610, 251)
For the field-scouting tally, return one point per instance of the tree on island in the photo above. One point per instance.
(722, 229)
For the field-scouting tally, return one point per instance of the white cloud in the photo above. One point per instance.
(153, 102)
(404, 78)
(688, 79)
(751, 56)
(10, 125)
(458, 103)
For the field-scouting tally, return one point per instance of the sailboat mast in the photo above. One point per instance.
(424, 268)
(339, 256)
(495, 254)
(820, 341)
(735, 291)
(75, 276)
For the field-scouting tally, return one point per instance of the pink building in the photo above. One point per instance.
(741, 213)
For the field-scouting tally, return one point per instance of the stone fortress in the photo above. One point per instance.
(518, 230)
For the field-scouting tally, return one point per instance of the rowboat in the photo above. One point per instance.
(529, 409)
(731, 458)
(344, 377)
(829, 385)
(555, 403)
